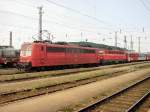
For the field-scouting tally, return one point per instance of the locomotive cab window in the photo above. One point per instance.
(26, 50)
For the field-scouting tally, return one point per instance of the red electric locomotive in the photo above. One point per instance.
(43, 54)
(112, 56)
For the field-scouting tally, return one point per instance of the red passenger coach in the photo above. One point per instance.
(142, 57)
(148, 56)
(133, 56)
(42, 54)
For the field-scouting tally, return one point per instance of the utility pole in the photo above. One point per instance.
(40, 23)
(143, 29)
(66, 36)
(131, 44)
(115, 39)
(139, 39)
(10, 41)
(125, 42)
(120, 31)
(81, 35)
(99, 36)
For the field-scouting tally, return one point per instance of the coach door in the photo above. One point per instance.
(42, 55)
(69, 56)
(77, 56)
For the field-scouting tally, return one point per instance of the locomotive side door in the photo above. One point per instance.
(43, 55)
(69, 56)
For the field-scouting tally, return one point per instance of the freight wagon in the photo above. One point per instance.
(8, 55)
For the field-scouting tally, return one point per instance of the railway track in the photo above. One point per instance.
(37, 75)
(145, 106)
(14, 96)
(9, 71)
(13, 71)
(126, 100)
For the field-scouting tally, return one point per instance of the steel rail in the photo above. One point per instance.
(139, 102)
(105, 99)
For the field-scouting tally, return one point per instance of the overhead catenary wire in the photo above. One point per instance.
(17, 14)
(79, 12)
(65, 16)
(56, 23)
(144, 4)
(83, 14)
(50, 21)
(63, 24)
(68, 25)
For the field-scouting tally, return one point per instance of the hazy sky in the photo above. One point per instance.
(96, 20)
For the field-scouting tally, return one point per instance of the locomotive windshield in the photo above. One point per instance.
(26, 50)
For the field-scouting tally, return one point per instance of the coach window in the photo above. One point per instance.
(55, 49)
(69, 50)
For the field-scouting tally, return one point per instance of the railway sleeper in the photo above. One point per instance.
(117, 105)
(141, 90)
(108, 109)
(123, 94)
(133, 96)
(125, 99)
(122, 102)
